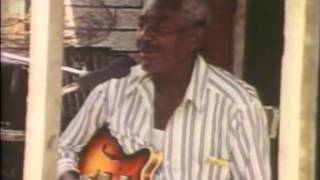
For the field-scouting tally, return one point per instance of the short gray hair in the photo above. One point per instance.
(194, 11)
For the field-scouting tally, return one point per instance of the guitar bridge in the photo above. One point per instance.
(99, 175)
(104, 176)
(124, 178)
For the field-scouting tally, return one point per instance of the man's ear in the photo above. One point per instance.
(196, 37)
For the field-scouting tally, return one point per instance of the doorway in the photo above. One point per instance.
(263, 54)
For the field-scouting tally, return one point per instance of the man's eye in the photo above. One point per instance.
(166, 28)
(140, 25)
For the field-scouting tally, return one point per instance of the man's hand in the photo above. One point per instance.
(70, 175)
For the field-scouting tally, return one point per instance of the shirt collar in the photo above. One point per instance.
(139, 74)
(198, 82)
(196, 87)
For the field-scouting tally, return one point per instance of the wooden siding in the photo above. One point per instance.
(102, 23)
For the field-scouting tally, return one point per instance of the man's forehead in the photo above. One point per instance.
(158, 14)
(154, 10)
(163, 4)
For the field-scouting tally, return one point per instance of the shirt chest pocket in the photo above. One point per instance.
(217, 168)
(212, 167)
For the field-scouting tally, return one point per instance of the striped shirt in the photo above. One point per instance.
(218, 132)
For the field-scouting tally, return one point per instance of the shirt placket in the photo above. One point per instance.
(170, 169)
(145, 90)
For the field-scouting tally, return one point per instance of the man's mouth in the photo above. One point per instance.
(147, 48)
(148, 55)
(142, 52)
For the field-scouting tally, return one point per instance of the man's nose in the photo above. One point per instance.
(146, 31)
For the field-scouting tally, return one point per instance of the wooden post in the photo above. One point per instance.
(43, 113)
(297, 150)
(239, 38)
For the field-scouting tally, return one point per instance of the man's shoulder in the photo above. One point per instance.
(231, 86)
(124, 83)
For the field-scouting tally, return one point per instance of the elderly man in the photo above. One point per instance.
(207, 123)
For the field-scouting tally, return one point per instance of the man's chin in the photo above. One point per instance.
(150, 66)
(150, 61)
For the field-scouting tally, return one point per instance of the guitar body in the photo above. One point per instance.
(103, 158)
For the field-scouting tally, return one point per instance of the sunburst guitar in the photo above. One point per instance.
(104, 159)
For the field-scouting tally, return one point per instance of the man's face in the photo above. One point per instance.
(162, 40)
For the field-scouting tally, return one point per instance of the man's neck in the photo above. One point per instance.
(170, 89)
(175, 81)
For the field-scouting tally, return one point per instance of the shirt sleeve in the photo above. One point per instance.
(90, 117)
(250, 156)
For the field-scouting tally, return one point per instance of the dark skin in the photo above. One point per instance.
(167, 46)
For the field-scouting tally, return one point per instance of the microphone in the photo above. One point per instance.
(118, 68)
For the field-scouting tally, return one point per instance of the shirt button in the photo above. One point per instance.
(167, 163)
